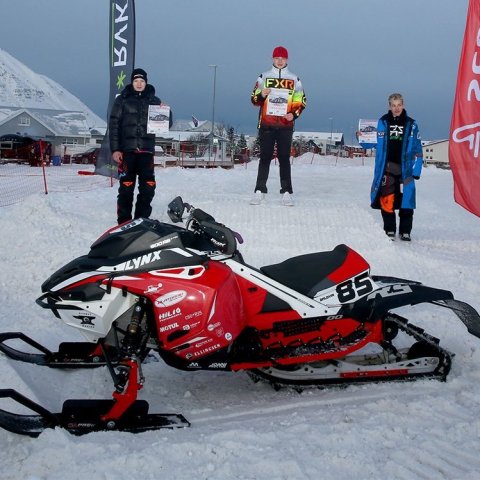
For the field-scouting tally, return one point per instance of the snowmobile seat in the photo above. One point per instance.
(307, 274)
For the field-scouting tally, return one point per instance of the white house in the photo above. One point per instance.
(435, 152)
(67, 131)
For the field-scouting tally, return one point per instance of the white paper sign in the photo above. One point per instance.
(277, 102)
(367, 131)
(158, 119)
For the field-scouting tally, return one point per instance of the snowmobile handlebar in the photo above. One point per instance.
(204, 224)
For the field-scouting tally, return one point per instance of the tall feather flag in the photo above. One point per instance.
(122, 61)
(464, 141)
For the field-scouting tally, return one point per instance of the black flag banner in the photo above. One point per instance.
(122, 61)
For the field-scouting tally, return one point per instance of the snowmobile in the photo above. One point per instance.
(186, 293)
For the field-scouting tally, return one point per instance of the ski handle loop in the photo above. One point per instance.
(10, 351)
(26, 402)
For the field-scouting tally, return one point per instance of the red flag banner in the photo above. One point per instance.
(464, 142)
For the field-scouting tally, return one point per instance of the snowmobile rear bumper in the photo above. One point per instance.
(396, 292)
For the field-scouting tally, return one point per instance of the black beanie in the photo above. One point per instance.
(139, 73)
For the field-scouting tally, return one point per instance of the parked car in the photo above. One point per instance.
(88, 156)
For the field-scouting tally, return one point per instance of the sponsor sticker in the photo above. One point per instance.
(170, 298)
(174, 312)
(204, 342)
(153, 288)
(193, 315)
(86, 319)
(167, 328)
(206, 350)
(213, 326)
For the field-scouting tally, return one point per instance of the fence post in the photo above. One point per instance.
(44, 176)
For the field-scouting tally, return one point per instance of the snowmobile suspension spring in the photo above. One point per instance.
(137, 315)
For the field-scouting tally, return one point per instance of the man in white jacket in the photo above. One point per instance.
(280, 96)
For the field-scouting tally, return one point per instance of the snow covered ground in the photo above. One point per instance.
(241, 430)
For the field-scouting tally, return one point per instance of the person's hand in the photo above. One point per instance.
(265, 92)
(289, 117)
(117, 157)
(416, 178)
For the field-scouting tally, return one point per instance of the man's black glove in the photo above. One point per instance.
(416, 178)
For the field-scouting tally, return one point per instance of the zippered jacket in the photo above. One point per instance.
(285, 80)
(411, 161)
(128, 120)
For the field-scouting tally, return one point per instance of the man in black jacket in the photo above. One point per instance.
(132, 147)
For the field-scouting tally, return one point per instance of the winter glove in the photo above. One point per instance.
(416, 178)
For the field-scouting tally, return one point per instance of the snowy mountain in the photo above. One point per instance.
(21, 87)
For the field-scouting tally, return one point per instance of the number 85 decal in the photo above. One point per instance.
(353, 288)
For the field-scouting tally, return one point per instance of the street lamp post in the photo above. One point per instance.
(331, 133)
(213, 106)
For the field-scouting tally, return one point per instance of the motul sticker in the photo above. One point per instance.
(167, 328)
(170, 298)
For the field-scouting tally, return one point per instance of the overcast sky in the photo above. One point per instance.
(349, 54)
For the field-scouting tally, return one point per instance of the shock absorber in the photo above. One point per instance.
(133, 333)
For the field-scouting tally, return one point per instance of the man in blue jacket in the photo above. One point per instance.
(398, 163)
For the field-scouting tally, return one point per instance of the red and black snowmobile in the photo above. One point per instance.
(188, 294)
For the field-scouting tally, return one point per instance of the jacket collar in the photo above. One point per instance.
(279, 71)
(400, 119)
(128, 91)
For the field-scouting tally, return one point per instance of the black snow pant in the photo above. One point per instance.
(133, 165)
(283, 138)
(391, 200)
(406, 221)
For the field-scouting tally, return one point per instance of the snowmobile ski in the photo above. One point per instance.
(80, 417)
(69, 354)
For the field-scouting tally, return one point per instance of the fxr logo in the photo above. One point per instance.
(472, 136)
(280, 83)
